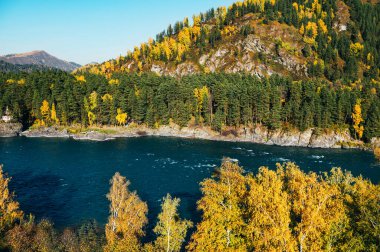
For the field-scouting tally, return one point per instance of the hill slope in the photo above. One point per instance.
(8, 67)
(40, 58)
(331, 40)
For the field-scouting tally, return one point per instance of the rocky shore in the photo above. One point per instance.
(10, 129)
(310, 138)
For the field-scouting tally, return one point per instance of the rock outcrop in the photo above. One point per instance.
(46, 132)
(10, 129)
(92, 136)
(259, 134)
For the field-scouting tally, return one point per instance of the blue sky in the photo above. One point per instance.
(85, 31)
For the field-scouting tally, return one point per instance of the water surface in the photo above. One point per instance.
(67, 181)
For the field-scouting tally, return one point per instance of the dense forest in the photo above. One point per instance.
(215, 100)
(341, 45)
(274, 210)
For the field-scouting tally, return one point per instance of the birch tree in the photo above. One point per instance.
(222, 225)
(127, 217)
(170, 229)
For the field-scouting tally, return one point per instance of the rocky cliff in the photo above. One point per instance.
(310, 138)
(10, 129)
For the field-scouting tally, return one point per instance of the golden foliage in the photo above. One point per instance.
(356, 49)
(91, 118)
(9, 208)
(184, 37)
(127, 217)
(80, 78)
(53, 114)
(114, 82)
(221, 228)
(269, 223)
(315, 203)
(201, 95)
(21, 82)
(357, 119)
(170, 229)
(311, 32)
(229, 31)
(322, 26)
(45, 110)
(107, 98)
(302, 29)
(316, 7)
(93, 100)
(121, 117)
(283, 210)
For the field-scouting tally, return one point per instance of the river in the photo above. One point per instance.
(67, 181)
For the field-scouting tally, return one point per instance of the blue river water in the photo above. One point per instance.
(67, 181)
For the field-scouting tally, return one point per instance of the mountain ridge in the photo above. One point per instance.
(40, 58)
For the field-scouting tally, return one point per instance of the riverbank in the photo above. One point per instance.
(10, 129)
(310, 138)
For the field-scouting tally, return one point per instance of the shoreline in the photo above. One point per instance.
(310, 138)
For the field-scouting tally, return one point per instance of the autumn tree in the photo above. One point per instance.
(45, 111)
(9, 208)
(121, 117)
(222, 225)
(170, 229)
(357, 119)
(127, 217)
(268, 213)
(202, 96)
(53, 114)
(316, 206)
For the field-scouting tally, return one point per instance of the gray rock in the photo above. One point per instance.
(92, 136)
(10, 129)
(46, 132)
(330, 139)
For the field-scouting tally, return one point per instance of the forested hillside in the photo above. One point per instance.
(8, 67)
(335, 40)
(215, 100)
(321, 63)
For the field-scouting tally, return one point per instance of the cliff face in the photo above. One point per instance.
(259, 134)
(10, 129)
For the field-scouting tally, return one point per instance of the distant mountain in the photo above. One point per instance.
(39, 58)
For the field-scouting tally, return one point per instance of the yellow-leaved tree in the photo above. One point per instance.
(268, 212)
(170, 229)
(9, 208)
(316, 206)
(357, 119)
(53, 114)
(127, 217)
(202, 96)
(45, 110)
(121, 117)
(90, 106)
(222, 225)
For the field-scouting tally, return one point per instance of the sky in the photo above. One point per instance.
(85, 31)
